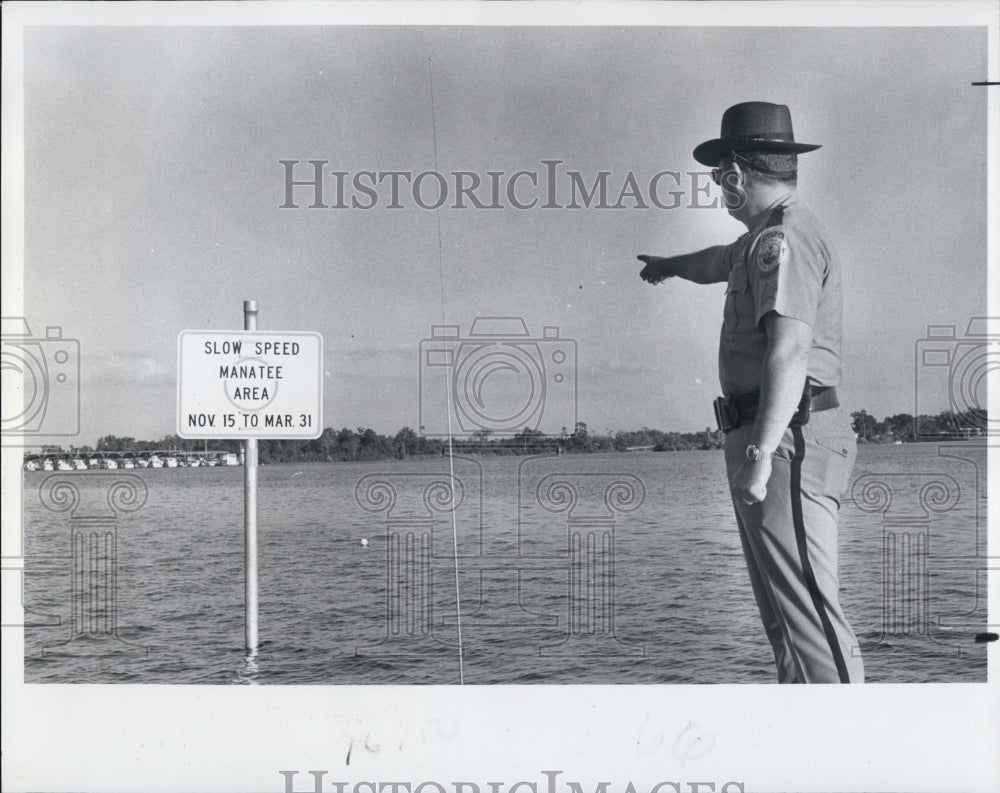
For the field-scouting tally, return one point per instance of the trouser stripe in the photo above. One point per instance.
(807, 570)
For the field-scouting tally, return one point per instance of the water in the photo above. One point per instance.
(628, 572)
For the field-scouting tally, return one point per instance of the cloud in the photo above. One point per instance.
(129, 368)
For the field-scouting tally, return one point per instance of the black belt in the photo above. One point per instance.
(735, 411)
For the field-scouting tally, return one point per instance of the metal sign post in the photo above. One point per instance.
(246, 385)
(250, 511)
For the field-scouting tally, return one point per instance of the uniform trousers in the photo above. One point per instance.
(790, 545)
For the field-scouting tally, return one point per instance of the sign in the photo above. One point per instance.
(249, 384)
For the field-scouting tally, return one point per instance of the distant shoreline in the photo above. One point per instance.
(52, 462)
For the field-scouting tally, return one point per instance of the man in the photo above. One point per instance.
(789, 446)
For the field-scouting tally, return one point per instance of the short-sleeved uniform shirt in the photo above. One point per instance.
(784, 263)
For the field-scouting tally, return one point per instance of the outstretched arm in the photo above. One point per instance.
(703, 267)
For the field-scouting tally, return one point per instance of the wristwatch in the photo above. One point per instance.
(756, 454)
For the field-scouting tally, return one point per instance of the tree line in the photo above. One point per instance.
(906, 428)
(364, 443)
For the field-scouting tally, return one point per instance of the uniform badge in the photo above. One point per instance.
(772, 250)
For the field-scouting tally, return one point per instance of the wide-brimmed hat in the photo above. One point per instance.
(760, 126)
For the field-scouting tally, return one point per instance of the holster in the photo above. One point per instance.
(735, 411)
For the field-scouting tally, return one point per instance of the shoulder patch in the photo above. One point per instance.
(772, 250)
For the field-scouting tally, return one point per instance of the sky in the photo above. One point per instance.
(154, 185)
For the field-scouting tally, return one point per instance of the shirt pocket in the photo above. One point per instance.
(739, 301)
(737, 279)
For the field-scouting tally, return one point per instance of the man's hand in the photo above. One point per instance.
(749, 483)
(657, 269)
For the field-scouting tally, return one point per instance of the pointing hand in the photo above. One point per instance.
(656, 269)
